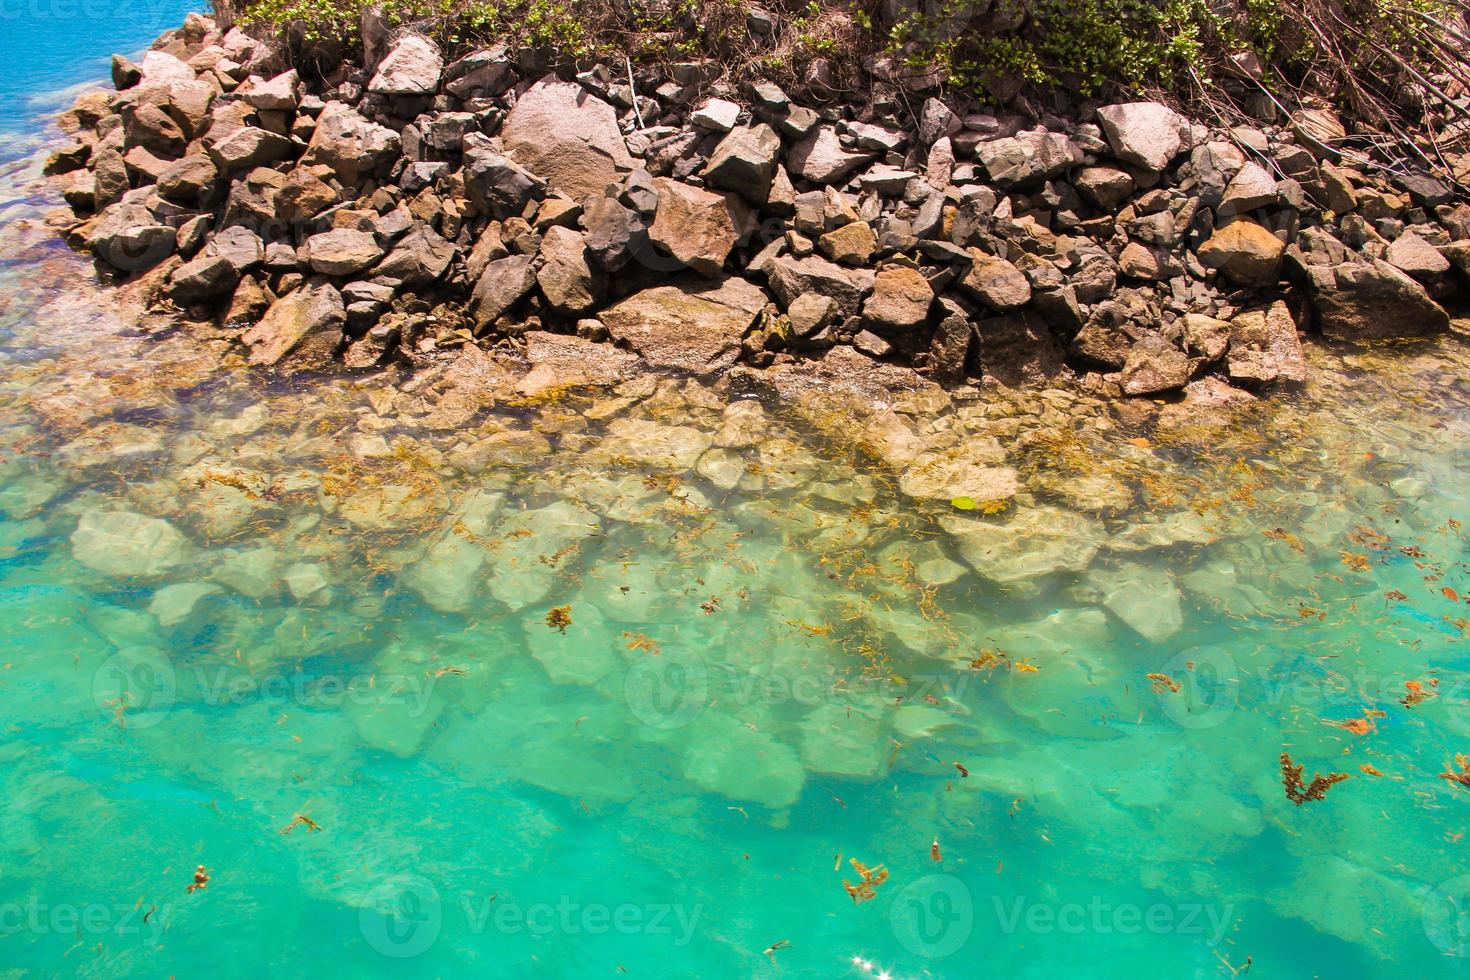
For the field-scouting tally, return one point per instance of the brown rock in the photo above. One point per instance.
(689, 328)
(901, 298)
(995, 282)
(697, 227)
(1247, 253)
(300, 332)
(1264, 347)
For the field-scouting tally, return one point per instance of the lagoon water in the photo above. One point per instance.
(620, 682)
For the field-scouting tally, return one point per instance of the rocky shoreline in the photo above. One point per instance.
(407, 209)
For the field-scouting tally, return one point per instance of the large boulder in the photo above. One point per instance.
(413, 67)
(128, 237)
(1147, 134)
(342, 251)
(500, 287)
(568, 136)
(697, 227)
(995, 282)
(1026, 157)
(300, 332)
(246, 148)
(1265, 347)
(187, 179)
(125, 544)
(745, 162)
(568, 281)
(822, 159)
(791, 277)
(497, 185)
(1370, 300)
(1154, 366)
(689, 328)
(1246, 252)
(901, 298)
(349, 144)
(419, 258)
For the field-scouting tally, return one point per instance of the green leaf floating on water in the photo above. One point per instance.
(963, 503)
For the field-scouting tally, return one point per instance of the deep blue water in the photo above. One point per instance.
(49, 46)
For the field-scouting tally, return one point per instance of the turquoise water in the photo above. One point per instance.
(229, 603)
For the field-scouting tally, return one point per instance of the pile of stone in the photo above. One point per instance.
(407, 205)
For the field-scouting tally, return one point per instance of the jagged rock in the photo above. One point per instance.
(851, 244)
(420, 257)
(1147, 134)
(246, 148)
(611, 229)
(1247, 253)
(716, 115)
(689, 328)
(1421, 260)
(187, 179)
(128, 237)
(351, 146)
(567, 136)
(745, 162)
(125, 74)
(1264, 347)
(1206, 337)
(995, 282)
(569, 283)
(280, 94)
(697, 227)
(1027, 157)
(901, 298)
(1104, 187)
(1018, 349)
(791, 277)
(1154, 366)
(161, 68)
(412, 67)
(497, 185)
(303, 196)
(300, 332)
(204, 278)
(949, 348)
(149, 126)
(1251, 188)
(342, 251)
(811, 312)
(822, 159)
(1214, 165)
(503, 283)
(1369, 300)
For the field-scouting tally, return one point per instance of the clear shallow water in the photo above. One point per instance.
(228, 603)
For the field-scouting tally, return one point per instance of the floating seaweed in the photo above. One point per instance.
(1460, 775)
(868, 881)
(201, 880)
(559, 618)
(302, 820)
(1162, 683)
(1418, 693)
(1298, 792)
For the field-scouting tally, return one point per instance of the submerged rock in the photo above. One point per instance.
(125, 544)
